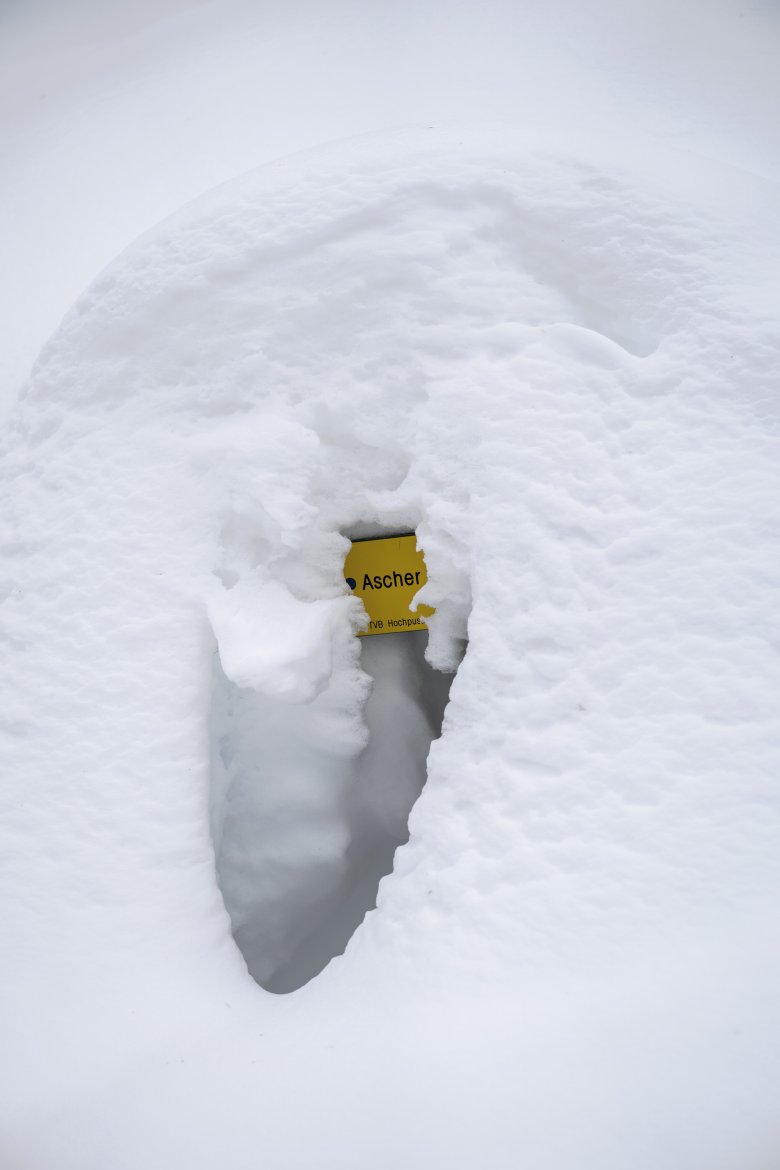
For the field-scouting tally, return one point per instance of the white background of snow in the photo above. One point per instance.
(568, 969)
(113, 115)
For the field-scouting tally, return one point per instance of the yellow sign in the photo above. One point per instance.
(385, 572)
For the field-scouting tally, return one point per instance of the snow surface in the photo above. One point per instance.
(112, 115)
(551, 353)
(563, 378)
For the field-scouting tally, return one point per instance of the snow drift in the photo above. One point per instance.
(562, 375)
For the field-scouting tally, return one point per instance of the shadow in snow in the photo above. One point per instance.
(303, 835)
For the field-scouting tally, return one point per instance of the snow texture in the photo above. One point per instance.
(562, 374)
(113, 115)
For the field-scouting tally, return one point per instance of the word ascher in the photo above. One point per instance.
(388, 580)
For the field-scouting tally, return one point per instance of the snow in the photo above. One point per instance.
(550, 353)
(272, 643)
(117, 114)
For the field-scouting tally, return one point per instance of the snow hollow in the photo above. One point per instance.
(304, 829)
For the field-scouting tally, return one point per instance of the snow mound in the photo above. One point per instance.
(561, 376)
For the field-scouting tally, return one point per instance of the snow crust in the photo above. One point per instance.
(561, 373)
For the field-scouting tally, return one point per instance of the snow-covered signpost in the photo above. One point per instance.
(386, 573)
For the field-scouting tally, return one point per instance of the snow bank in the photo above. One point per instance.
(562, 376)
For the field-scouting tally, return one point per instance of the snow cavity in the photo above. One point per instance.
(304, 831)
(319, 739)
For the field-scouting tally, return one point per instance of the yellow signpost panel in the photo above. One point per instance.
(385, 572)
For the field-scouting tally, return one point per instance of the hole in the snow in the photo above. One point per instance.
(303, 831)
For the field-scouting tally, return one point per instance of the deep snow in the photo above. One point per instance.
(563, 379)
(551, 353)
